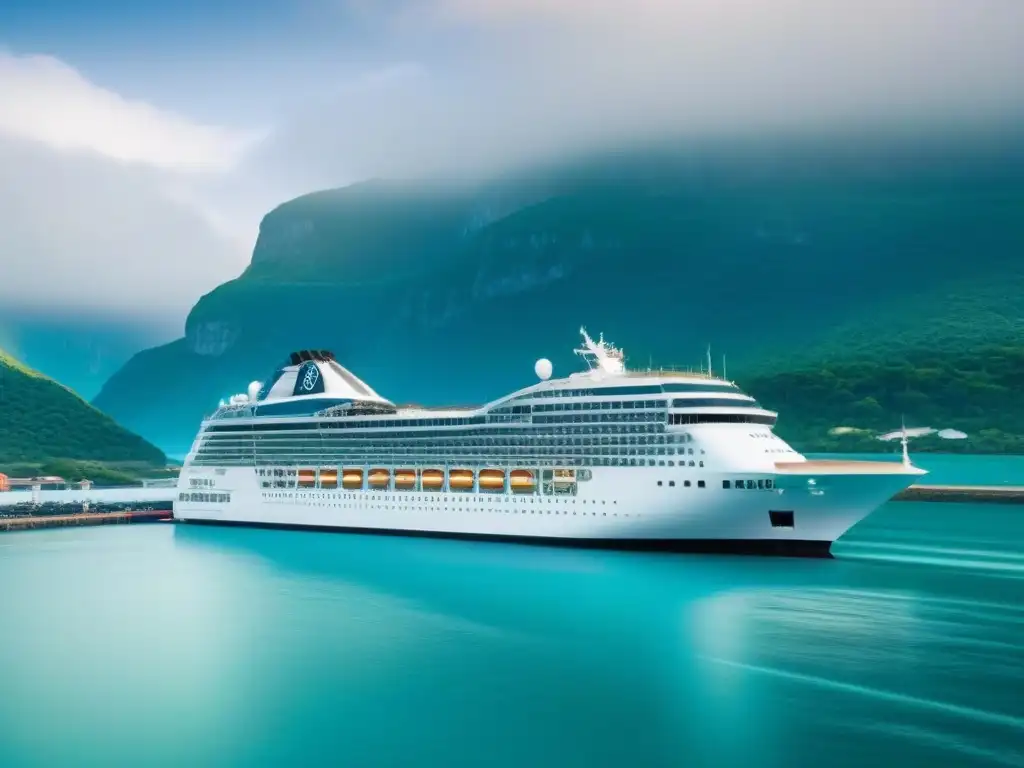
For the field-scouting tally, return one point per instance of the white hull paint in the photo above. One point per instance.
(617, 504)
(646, 460)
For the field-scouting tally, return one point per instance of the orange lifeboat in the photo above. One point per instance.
(307, 478)
(379, 478)
(329, 478)
(492, 480)
(460, 479)
(352, 479)
(432, 479)
(405, 479)
(523, 480)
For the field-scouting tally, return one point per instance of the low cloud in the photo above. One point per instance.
(46, 101)
(79, 233)
(109, 202)
(101, 205)
(504, 82)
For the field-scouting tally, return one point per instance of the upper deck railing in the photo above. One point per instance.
(672, 371)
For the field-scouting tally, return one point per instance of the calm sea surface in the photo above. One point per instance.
(169, 645)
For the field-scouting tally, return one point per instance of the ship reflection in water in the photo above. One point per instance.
(200, 646)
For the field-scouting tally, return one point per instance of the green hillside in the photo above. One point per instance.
(796, 263)
(43, 423)
(975, 391)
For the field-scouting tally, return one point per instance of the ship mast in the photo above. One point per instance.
(601, 356)
(904, 441)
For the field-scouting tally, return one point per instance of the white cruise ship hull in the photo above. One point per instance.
(810, 505)
(607, 457)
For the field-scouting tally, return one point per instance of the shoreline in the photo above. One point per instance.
(993, 494)
(34, 522)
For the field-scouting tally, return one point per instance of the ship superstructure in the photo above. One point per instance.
(603, 457)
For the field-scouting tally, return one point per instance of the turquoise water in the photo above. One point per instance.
(170, 645)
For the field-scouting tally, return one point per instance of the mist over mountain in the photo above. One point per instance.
(80, 350)
(784, 254)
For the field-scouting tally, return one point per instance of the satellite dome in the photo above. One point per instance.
(254, 391)
(543, 368)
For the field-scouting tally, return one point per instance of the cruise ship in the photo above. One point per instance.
(604, 457)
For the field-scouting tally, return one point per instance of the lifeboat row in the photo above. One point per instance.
(495, 480)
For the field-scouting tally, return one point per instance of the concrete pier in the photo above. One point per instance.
(28, 522)
(999, 494)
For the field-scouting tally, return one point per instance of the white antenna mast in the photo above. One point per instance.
(602, 356)
(709, 359)
(724, 376)
(903, 441)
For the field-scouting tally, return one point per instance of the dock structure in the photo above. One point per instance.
(28, 522)
(999, 494)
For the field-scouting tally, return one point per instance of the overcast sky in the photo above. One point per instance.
(140, 146)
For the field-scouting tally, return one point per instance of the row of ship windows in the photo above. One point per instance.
(223, 498)
(640, 438)
(289, 472)
(266, 457)
(765, 484)
(578, 438)
(581, 417)
(373, 430)
(309, 500)
(601, 423)
(688, 402)
(643, 389)
(209, 498)
(442, 451)
(489, 458)
(221, 461)
(676, 419)
(686, 483)
(611, 405)
(551, 442)
(586, 418)
(615, 444)
(490, 443)
(433, 497)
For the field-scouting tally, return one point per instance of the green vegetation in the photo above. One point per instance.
(828, 277)
(46, 425)
(974, 391)
(100, 473)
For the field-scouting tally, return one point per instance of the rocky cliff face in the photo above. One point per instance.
(445, 293)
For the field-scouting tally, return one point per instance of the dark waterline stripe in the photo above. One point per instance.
(774, 547)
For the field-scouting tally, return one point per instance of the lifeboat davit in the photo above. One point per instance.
(523, 480)
(379, 478)
(352, 479)
(460, 479)
(492, 480)
(432, 479)
(329, 478)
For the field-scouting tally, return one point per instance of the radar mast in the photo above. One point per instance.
(601, 356)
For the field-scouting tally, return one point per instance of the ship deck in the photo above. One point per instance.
(845, 467)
